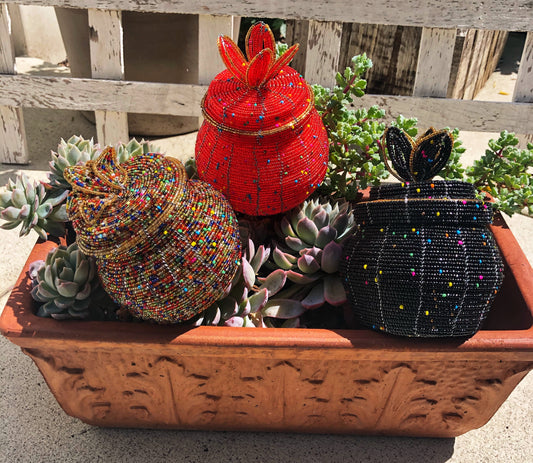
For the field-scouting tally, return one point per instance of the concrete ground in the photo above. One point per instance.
(33, 428)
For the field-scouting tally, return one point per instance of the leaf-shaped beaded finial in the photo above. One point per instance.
(416, 160)
(262, 64)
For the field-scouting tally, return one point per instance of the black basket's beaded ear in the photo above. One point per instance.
(418, 160)
(399, 146)
(430, 154)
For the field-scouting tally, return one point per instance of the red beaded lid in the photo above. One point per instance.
(262, 143)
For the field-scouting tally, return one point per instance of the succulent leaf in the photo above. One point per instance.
(307, 230)
(296, 244)
(283, 308)
(308, 264)
(235, 322)
(331, 257)
(334, 292)
(284, 260)
(274, 282)
(248, 274)
(315, 298)
(301, 279)
(258, 300)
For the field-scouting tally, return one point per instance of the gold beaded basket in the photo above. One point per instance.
(166, 247)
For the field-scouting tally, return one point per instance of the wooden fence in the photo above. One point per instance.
(111, 97)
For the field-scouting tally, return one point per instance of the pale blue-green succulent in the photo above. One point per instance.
(75, 151)
(34, 207)
(66, 283)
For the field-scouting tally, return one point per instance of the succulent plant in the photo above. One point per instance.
(133, 148)
(35, 207)
(75, 151)
(190, 168)
(244, 300)
(67, 284)
(311, 251)
(78, 150)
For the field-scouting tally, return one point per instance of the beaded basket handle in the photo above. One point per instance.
(416, 160)
(262, 64)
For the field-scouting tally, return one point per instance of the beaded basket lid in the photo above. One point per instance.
(166, 247)
(112, 203)
(261, 96)
(262, 143)
(418, 198)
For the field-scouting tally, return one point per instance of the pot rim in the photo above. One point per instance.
(20, 325)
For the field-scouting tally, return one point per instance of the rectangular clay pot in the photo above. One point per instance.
(303, 380)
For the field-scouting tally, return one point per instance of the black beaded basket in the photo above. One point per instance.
(423, 262)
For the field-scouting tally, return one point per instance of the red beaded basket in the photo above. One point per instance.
(262, 143)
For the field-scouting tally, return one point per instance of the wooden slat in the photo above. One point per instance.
(297, 32)
(434, 65)
(7, 49)
(107, 61)
(13, 147)
(523, 91)
(468, 115)
(323, 52)
(184, 100)
(100, 94)
(512, 15)
(209, 60)
(394, 54)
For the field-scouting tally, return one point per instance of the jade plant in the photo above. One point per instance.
(505, 173)
(355, 162)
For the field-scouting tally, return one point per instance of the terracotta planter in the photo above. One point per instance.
(347, 381)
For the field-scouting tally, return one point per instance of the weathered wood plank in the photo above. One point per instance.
(323, 52)
(434, 65)
(471, 115)
(512, 15)
(523, 91)
(106, 44)
(107, 61)
(209, 61)
(393, 51)
(475, 64)
(13, 147)
(101, 94)
(184, 100)
(297, 32)
(7, 49)
(110, 127)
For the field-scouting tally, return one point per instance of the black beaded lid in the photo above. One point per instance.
(430, 203)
